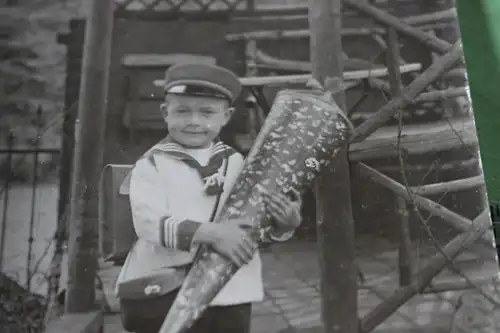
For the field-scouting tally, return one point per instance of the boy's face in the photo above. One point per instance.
(195, 121)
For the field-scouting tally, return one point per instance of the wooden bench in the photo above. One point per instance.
(140, 98)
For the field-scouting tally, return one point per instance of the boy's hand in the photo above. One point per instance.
(230, 240)
(285, 211)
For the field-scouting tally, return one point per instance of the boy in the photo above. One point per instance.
(176, 188)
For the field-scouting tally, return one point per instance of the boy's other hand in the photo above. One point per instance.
(230, 240)
(286, 211)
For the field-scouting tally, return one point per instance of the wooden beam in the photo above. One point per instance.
(435, 265)
(337, 252)
(416, 139)
(410, 92)
(295, 34)
(303, 78)
(450, 187)
(457, 221)
(436, 44)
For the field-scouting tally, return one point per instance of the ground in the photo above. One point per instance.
(292, 304)
(291, 276)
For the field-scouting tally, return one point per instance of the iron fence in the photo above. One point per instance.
(26, 165)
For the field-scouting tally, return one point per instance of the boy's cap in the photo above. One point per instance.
(202, 80)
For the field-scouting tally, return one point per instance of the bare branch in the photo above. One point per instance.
(409, 93)
(436, 44)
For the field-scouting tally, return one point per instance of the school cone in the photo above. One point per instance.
(300, 136)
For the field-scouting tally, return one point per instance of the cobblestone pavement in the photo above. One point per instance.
(292, 304)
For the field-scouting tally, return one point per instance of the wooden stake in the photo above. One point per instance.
(436, 44)
(409, 93)
(339, 285)
(457, 221)
(435, 265)
(89, 145)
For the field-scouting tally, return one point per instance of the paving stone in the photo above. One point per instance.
(268, 324)
(315, 329)
(306, 320)
(292, 298)
(264, 308)
(112, 324)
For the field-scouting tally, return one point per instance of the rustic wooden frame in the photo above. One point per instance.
(411, 282)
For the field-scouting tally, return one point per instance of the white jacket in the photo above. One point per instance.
(168, 202)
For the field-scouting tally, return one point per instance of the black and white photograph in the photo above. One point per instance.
(241, 166)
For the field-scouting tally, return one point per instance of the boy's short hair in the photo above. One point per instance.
(202, 80)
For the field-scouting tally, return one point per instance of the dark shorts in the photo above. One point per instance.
(147, 316)
(217, 319)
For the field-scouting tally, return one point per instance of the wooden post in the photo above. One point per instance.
(405, 253)
(89, 145)
(405, 248)
(334, 212)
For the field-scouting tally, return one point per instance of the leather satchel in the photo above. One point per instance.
(149, 297)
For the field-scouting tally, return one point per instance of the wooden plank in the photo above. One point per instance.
(434, 266)
(416, 139)
(164, 60)
(455, 220)
(303, 78)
